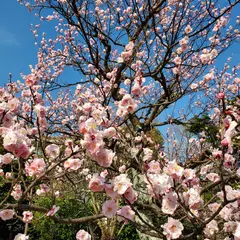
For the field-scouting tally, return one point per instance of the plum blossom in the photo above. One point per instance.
(236, 233)
(130, 195)
(83, 235)
(193, 199)
(126, 213)
(72, 164)
(21, 236)
(109, 208)
(27, 216)
(189, 174)
(7, 158)
(103, 157)
(17, 143)
(43, 189)
(154, 167)
(6, 214)
(13, 105)
(35, 167)
(126, 105)
(127, 53)
(52, 151)
(110, 192)
(172, 229)
(169, 203)
(158, 184)
(30, 80)
(188, 29)
(174, 170)
(211, 228)
(109, 132)
(97, 183)
(52, 211)
(121, 184)
(147, 154)
(213, 177)
(122, 169)
(17, 192)
(40, 110)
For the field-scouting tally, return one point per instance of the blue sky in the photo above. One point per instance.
(17, 48)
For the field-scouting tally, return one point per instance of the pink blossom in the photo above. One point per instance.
(126, 105)
(110, 192)
(13, 105)
(103, 157)
(73, 164)
(213, 177)
(226, 213)
(158, 184)
(6, 214)
(27, 216)
(211, 228)
(122, 169)
(194, 199)
(52, 151)
(7, 158)
(109, 208)
(97, 183)
(169, 203)
(109, 132)
(130, 195)
(236, 233)
(136, 89)
(92, 142)
(17, 143)
(154, 167)
(7, 120)
(217, 154)
(126, 212)
(177, 60)
(205, 169)
(35, 167)
(8, 175)
(43, 189)
(53, 211)
(172, 229)
(21, 236)
(121, 184)
(213, 207)
(188, 29)
(220, 95)
(83, 235)
(147, 154)
(174, 170)
(40, 110)
(30, 80)
(17, 192)
(189, 174)
(230, 226)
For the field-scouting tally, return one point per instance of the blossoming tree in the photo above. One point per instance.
(135, 59)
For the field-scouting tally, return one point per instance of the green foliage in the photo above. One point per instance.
(204, 123)
(43, 228)
(156, 136)
(128, 233)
